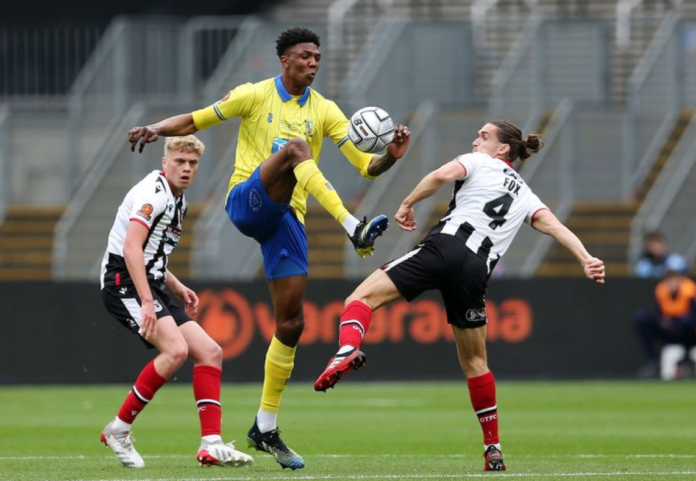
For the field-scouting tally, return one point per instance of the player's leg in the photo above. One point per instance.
(463, 292)
(408, 276)
(173, 353)
(287, 294)
(374, 292)
(294, 164)
(471, 351)
(206, 355)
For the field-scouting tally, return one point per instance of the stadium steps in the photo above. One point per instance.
(26, 242)
(665, 154)
(326, 241)
(180, 260)
(605, 229)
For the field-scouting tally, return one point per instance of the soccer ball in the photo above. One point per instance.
(371, 129)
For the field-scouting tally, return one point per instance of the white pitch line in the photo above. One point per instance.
(423, 476)
(350, 456)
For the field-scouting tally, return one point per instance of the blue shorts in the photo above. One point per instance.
(282, 237)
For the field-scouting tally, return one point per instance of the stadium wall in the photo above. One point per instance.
(539, 329)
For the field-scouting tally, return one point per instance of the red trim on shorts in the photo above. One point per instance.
(531, 222)
(118, 278)
(135, 219)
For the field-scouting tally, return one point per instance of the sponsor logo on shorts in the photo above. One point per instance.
(476, 315)
(157, 305)
(146, 211)
(255, 200)
(123, 291)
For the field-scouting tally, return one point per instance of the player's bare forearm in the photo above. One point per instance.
(171, 281)
(428, 186)
(379, 164)
(434, 181)
(547, 223)
(135, 263)
(178, 125)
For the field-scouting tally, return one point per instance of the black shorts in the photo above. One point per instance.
(123, 303)
(445, 263)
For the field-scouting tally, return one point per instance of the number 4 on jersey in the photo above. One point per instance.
(496, 210)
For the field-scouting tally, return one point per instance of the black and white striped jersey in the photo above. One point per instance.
(151, 203)
(488, 205)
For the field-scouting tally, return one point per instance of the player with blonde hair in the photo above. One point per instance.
(136, 287)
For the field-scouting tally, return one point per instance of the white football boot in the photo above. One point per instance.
(122, 446)
(220, 454)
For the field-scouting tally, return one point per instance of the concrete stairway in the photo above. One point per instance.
(665, 153)
(326, 242)
(605, 229)
(26, 243)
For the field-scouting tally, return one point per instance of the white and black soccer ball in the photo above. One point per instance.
(371, 129)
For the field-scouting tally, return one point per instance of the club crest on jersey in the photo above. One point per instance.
(476, 315)
(146, 211)
(269, 119)
(309, 129)
(255, 200)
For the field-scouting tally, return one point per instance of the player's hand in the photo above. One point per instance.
(398, 146)
(594, 270)
(148, 321)
(190, 300)
(146, 135)
(406, 218)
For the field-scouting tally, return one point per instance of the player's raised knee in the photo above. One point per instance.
(297, 150)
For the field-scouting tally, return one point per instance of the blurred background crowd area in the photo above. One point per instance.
(610, 85)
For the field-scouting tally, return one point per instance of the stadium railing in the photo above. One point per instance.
(670, 205)
(4, 194)
(554, 59)
(408, 52)
(40, 63)
(652, 107)
(80, 235)
(550, 174)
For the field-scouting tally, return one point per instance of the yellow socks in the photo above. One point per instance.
(313, 181)
(280, 359)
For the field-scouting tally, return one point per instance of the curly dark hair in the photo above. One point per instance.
(293, 36)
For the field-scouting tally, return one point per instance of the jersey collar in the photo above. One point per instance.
(508, 163)
(285, 95)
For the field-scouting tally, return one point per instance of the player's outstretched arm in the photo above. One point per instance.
(429, 185)
(547, 223)
(379, 164)
(178, 125)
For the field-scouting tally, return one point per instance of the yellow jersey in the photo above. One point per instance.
(271, 117)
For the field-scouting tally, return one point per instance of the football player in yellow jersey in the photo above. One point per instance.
(283, 125)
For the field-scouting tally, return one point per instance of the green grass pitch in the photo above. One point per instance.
(410, 431)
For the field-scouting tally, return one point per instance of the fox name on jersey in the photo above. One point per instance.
(151, 203)
(488, 205)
